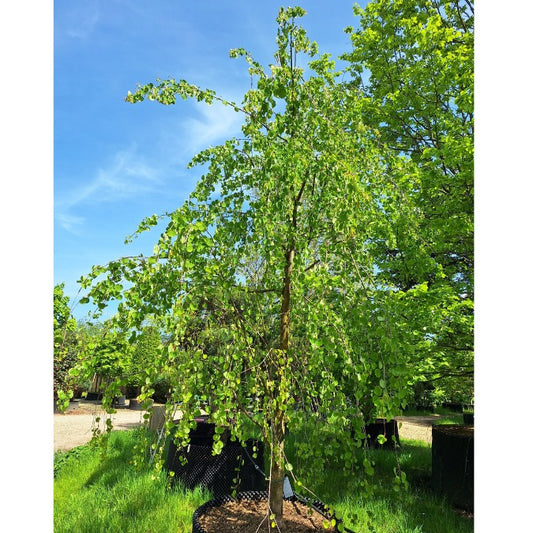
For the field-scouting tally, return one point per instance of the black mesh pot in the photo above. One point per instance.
(234, 468)
(256, 496)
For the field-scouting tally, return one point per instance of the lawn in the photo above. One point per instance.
(95, 492)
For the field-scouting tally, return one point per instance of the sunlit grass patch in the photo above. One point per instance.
(105, 493)
(94, 494)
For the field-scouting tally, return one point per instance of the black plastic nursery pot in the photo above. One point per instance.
(94, 396)
(251, 496)
(137, 405)
(119, 401)
(235, 468)
(468, 419)
(387, 428)
(452, 474)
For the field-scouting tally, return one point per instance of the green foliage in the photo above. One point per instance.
(104, 352)
(303, 278)
(110, 355)
(412, 62)
(147, 347)
(418, 57)
(62, 315)
(91, 357)
(66, 342)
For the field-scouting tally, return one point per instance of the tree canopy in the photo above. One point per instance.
(303, 274)
(413, 64)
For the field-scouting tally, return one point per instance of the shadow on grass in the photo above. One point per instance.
(115, 459)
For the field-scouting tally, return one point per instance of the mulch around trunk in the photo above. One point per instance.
(252, 517)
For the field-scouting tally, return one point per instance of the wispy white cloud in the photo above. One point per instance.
(127, 176)
(69, 222)
(215, 124)
(82, 18)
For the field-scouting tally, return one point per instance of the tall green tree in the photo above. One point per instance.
(105, 353)
(413, 64)
(277, 242)
(66, 345)
(143, 355)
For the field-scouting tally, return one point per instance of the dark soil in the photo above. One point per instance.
(252, 517)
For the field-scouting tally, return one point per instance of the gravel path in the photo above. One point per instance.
(74, 427)
(416, 427)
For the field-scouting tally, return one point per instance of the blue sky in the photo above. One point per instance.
(115, 163)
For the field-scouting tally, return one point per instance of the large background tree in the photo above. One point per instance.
(275, 253)
(413, 64)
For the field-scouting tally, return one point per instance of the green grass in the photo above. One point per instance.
(385, 510)
(95, 493)
(449, 419)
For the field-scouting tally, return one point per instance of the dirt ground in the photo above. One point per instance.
(416, 427)
(74, 427)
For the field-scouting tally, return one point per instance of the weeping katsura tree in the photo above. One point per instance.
(263, 281)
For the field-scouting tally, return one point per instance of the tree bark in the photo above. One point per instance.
(286, 301)
(277, 472)
(278, 422)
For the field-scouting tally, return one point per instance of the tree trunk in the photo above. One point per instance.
(278, 422)
(277, 472)
(286, 301)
